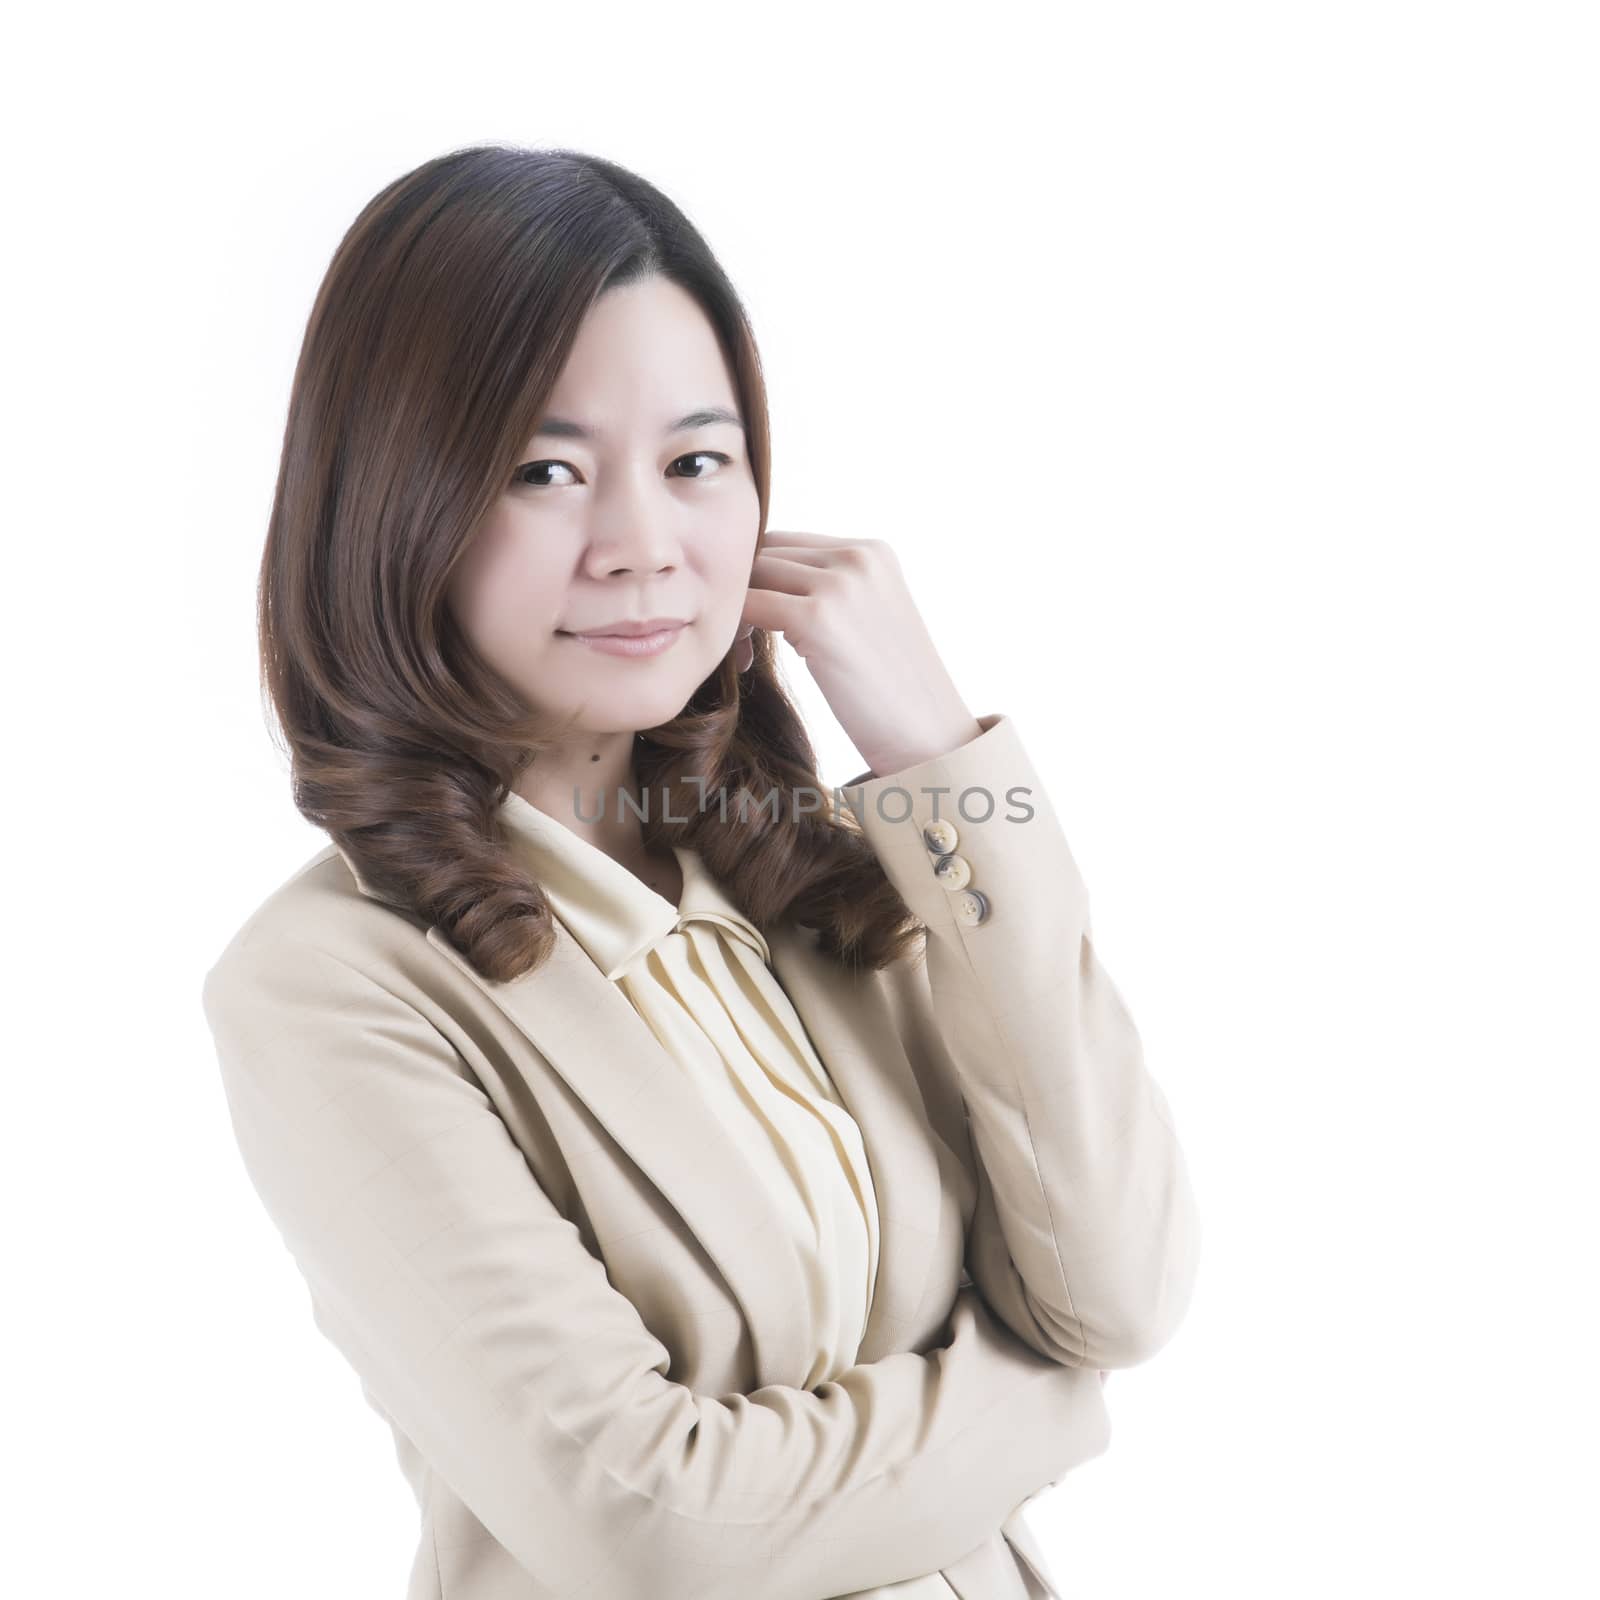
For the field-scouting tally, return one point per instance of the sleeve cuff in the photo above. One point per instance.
(970, 837)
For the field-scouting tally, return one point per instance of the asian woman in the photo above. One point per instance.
(723, 1185)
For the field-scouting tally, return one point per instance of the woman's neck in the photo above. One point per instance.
(590, 787)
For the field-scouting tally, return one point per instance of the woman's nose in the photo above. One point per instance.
(640, 542)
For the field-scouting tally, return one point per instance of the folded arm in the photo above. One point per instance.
(483, 1326)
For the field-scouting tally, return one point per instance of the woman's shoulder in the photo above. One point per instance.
(317, 915)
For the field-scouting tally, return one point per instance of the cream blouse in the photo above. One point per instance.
(699, 975)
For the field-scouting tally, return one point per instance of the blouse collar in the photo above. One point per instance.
(613, 914)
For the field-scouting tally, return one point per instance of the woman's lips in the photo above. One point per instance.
(621, 644)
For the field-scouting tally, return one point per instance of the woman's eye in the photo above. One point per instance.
(521, 475)
(703, 455)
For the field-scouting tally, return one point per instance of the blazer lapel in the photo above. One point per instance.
(586, 1029)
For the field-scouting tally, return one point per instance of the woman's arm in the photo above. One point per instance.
(1086, 1236)
(479, 1321)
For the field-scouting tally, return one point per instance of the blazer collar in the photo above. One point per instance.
(588, 1031)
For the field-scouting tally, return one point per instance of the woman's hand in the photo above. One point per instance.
(844, 606)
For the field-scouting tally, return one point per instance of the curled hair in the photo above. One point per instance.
(437, 334)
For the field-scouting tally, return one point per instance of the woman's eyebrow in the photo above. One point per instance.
(561, 428)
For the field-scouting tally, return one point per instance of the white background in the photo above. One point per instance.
(1226, 377)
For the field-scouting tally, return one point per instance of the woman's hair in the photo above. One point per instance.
(437, 335)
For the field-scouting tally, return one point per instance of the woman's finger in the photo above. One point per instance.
(784, 574)
(809, 554)
(820, 541)
(778, 611)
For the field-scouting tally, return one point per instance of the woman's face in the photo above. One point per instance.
(641, 515)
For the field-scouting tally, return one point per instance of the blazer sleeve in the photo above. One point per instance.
(1085, 1239)
(483, 1326)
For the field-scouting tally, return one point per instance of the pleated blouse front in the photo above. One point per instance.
(700, 976)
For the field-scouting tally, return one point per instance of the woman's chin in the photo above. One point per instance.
(648, 707)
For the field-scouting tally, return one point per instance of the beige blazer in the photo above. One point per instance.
(569, 1296)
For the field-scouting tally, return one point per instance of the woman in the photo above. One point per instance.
(723, 1188)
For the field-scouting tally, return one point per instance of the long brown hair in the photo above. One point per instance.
(437, 334)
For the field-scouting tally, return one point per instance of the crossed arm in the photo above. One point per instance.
(477, 1318)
